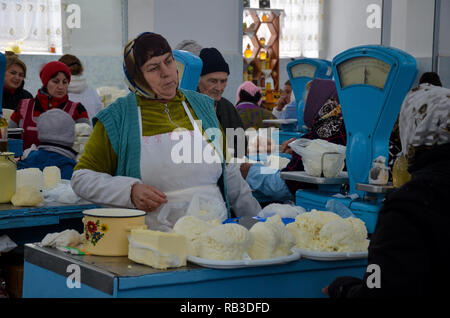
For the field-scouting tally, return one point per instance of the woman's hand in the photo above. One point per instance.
(285, 146)
(147, 198)
(283, 101)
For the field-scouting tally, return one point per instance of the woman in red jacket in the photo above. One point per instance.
(55, 77)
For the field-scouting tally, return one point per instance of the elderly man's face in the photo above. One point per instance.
(213, 84)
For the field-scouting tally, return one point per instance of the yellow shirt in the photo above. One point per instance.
(98, 153)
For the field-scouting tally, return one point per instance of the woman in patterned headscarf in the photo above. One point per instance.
(409, 244)
(133, 157)
(323, 116)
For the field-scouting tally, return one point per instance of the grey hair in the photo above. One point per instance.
(190, 46)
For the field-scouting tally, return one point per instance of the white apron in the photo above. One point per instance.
(180, 181)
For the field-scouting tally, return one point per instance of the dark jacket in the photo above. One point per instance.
(11, 101)
(229, 118)
(253, 115)
(42, 158)
(410, 242)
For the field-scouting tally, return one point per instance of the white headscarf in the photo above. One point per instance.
(425, 118)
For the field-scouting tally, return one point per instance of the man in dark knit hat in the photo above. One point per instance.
(213, 81)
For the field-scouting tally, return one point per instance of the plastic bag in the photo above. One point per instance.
(6, 244)
(175, 208)
(320, 157)
(205, 203)
(283, 210)
(63, 193)
(207, 208)
(65, 238)
(339, 208)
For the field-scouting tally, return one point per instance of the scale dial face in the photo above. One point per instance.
(363, 70)
(303, 70)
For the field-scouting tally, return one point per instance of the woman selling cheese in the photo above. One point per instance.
(131, 158)
(55, 77)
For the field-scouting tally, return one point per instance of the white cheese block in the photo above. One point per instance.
(192, 228)
(225, 242)
(30, 177)
(328, 232)
(271, 239)
(267, 238)
(52, 177)
(27, 196)
(159, 250)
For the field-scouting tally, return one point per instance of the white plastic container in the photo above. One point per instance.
(379, 174)
(33, 177)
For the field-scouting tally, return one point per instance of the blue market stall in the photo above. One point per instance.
(50, 273)
(31, 224)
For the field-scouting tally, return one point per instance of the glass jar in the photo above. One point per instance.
(400, 174)
(3, 134)
(8, 180)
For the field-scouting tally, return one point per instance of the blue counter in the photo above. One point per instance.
(49, 273)
(31, 224)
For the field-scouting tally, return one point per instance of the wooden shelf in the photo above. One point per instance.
(271, 45)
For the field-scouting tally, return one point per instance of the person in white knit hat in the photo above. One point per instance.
(56, 133)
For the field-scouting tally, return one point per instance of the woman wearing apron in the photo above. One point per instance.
(55, 77)
(149, 151)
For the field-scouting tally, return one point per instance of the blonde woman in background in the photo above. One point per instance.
(13, 91)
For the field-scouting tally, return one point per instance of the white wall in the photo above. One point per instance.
(444, 35)
(345, 26)
(141, 17)
(101, 29)
(98, 44)
(444, 44)
(212, 23)
(412, 27)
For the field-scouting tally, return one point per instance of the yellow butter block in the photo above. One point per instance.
(160, 250)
